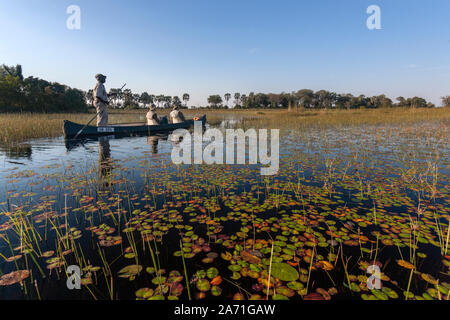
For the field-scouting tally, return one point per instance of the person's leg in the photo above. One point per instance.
(98, 108)
(102, 116)
(105, 117)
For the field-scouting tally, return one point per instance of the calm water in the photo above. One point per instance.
(322, 171)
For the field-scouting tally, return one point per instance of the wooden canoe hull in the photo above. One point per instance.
(70, 129)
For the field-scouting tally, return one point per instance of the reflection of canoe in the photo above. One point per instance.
(70, 129)
(72, 144)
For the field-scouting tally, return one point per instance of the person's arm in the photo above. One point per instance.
(101, 94)
(182, 116)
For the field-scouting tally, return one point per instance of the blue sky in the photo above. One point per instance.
(212, 47)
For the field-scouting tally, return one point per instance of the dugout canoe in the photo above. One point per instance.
(70, 129)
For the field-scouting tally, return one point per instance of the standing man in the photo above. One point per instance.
(101, 100)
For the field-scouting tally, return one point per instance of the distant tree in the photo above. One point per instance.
(215, 100)
(14, 71)
(11, 98)
(401, 102)
(186, 98)
(305, 98)
(237, 97)
(160, 100)
(176, 101)
(36, 95)
(145, 98)
(167, 101)
(274, 100)
(227, 97)
(446, 101)
(90, 97)
(417, 102)
(128, 99)
(243, 99)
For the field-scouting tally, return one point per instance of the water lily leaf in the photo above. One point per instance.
(314, 296)
(247, 256)
(203, 285)
(212, 272)
(405, 264)
(216, 291)
(14, 277)
(325, 265)
(284, 272)
(129, 271)
(429, 278)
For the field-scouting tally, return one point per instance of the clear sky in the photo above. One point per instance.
(205, 47)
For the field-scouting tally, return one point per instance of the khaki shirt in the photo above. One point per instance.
(152, 118)
(176, 116)
(99, 91)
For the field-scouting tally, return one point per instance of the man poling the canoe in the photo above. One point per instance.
(101, 100)
(98, 111)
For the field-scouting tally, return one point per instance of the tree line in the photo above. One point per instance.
(126, 99)
(322, 99)
(19, 94)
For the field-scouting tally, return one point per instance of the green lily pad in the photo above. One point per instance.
(212, 272)
(203, 285)
(284, 272)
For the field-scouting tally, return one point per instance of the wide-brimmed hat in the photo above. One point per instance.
(174, 107)
(152, 107)
(99, 76)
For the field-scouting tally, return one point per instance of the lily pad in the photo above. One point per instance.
(284, 272)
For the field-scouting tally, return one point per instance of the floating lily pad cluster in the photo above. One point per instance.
(346, 201)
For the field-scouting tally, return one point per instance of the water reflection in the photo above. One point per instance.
(105, 162)
(18, 151)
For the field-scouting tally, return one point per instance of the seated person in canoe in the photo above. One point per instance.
(176, 115)
(152, 117)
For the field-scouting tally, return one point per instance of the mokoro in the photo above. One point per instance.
(70, 128)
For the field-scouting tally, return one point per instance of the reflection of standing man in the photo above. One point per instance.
(104, 160)
(153, 142)
(101, 100)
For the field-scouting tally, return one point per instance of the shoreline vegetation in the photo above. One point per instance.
(49, 125)
(31, 94)
(34, 108)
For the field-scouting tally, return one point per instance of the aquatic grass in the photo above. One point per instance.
(309, 202)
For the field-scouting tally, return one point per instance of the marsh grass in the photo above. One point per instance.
(19, 127)
(310, 198)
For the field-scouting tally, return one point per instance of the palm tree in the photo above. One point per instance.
(186, 99)
(227, 97)
(243, 99)
(237, 97)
